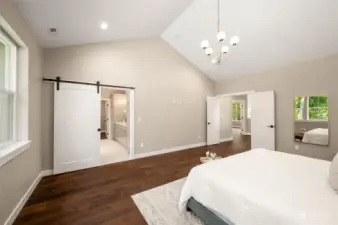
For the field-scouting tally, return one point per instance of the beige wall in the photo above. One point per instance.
(317, 77)
(160, 75)
(17, 175)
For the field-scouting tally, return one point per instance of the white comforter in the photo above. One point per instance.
(317, 136)
(263, 187)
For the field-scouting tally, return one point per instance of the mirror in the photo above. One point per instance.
(311, 120)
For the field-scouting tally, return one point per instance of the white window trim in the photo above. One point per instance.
(13, 150)
(312, 121)
(307, 113)
(19, 142)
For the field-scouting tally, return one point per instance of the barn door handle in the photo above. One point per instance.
(271, 126)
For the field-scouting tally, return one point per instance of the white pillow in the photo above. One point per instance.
(334, 173)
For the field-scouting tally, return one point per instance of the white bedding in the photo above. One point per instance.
(263, 187)
(317, 136)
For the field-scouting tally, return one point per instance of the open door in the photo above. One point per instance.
(213, 121)
(76, 127)
(263, 120)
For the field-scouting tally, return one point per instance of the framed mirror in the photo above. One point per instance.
(311, 120)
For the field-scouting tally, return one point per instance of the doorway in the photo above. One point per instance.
(257, 120)
(234, 119)
(115, 126)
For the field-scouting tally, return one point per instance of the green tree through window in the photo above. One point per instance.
(236, 111)
(318, 108)
(312, 108)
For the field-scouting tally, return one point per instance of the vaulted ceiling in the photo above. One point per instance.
(78, 21)
(273, 33)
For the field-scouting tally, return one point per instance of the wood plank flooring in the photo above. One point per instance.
(102, 195)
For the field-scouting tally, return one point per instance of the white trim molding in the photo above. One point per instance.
(163, 151)
(235, 94)
(10, 220)
(12, 150)
(246, 133)
(226, 139)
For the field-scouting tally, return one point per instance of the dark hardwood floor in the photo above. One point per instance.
(102, 195)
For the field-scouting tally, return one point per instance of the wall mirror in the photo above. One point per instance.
(312, 120)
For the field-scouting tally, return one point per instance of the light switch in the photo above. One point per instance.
(142, 145)
(138, 119)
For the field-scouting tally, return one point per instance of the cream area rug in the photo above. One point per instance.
(159, 206)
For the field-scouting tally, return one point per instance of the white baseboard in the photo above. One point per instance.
(163, 151)
(226, 139)
(46, 173)
(246, 133)
(10, 220)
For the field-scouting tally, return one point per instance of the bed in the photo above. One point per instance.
(262, 187)
(319, 136)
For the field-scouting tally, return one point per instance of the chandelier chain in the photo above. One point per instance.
(218, 16)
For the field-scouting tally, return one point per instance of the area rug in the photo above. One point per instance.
(159, 206)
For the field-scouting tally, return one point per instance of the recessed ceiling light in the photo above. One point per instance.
(104, 26)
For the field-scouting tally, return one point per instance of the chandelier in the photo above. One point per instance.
(221, 37)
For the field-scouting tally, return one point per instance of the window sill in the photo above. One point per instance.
(12, 151)
(311, 121)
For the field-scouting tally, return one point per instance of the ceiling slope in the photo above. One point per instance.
(78, 21)
(273, 33)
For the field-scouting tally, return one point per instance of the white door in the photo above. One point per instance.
(213, 121)
(76, 124)
(263, 120)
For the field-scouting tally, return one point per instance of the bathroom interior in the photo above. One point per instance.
(114, 126)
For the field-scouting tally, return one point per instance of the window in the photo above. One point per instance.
(236, 111)
(299, 108)
(314, 108)
(7, 90)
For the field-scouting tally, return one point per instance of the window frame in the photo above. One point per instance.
(11, 61)
(306, 117)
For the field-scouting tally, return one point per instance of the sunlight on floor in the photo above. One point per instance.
(112, 152)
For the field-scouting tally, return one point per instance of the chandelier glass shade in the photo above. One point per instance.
(221, 38)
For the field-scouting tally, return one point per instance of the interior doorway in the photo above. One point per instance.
(228, 117)
(258, 120)
(115, 126)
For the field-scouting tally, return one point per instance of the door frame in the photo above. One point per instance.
(236, 94)
(108, 101)
(131, 117)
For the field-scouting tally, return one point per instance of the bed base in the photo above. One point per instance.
(207, 217)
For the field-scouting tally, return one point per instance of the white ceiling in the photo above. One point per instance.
(78, 21)
(273, 33)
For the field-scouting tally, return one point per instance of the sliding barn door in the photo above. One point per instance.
(263, 120)
(76, 124)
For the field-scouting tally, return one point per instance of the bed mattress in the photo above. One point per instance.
(264, 187)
